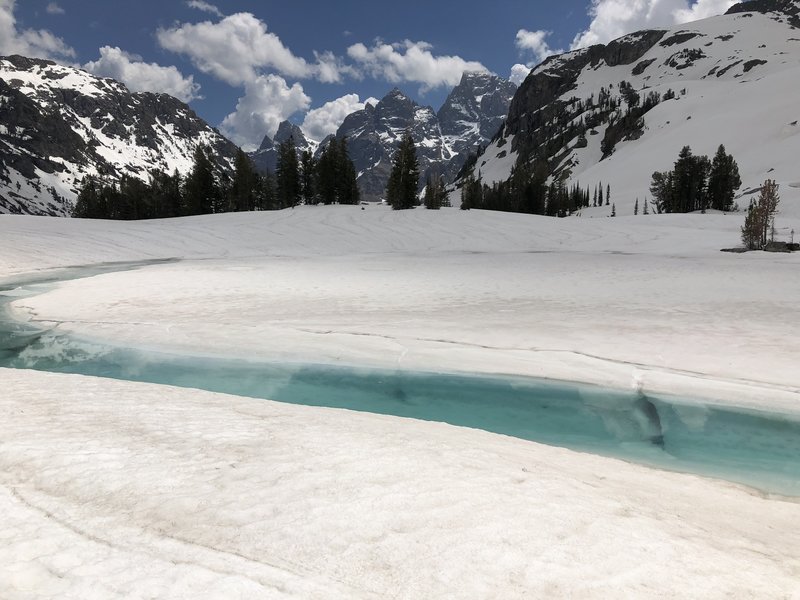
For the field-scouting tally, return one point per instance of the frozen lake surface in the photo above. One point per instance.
(757, 448)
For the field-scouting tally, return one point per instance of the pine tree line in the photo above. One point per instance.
(435, 193)
(697, 183)
(208, 189)
(527, 191)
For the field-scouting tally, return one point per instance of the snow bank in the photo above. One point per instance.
(119, 490)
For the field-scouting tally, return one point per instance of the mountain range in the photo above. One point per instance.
(610, 114)
(59, 124)
(469, 117)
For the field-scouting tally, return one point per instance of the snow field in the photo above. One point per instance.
(119, 490)
(115, 489)
(604, 301)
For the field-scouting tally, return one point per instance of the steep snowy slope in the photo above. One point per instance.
(59, 124)
(734, 79)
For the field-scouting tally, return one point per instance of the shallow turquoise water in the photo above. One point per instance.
(756, 448)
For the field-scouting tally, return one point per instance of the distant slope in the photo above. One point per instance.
(735, 79)
(59, 124)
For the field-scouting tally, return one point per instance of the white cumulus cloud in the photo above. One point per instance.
(614, 18)
(702, 9)
(518, 73)
(54, 9)
(141, 76)
(38, 43)
(267, 101)
(411, 61)
(535, 43)
(204, 6)
(326, 119)
(237, 49)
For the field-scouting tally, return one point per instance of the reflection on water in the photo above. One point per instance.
(758, 449)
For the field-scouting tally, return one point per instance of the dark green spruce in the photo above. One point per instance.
(401, 191)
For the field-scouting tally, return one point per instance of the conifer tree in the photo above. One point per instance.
(636, 207)
(759, 223)
(347, 187)
(661, 188)
(723, 180)
(401, 190)
(689, 179)
(429, 199)
(435, 193)
(287, 175)
(266, 198)
(336, 175)
(89, 204)
(200, 192)
(307, 177)
(244, 187)
(326, 173)
(471, 193)
(608, 193)
(165, 192)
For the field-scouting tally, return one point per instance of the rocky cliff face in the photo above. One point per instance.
(59, 124)
(470, 116)
(374, 133)
(473, 113)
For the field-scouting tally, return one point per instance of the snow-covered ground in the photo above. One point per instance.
(116, 489)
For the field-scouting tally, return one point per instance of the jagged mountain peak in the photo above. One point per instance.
(443, 139)
(266, 143)
(266, 157)
(473, 113)
(396, 92)
(288, 130)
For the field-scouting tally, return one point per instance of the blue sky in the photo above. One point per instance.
(245, 65)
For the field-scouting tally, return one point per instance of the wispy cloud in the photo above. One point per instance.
(54, 9)
(38, 43)
(412, 62)
(205, 7)
(535, 44)
(268, 100)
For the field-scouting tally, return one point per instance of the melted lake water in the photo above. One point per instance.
(760, 449)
